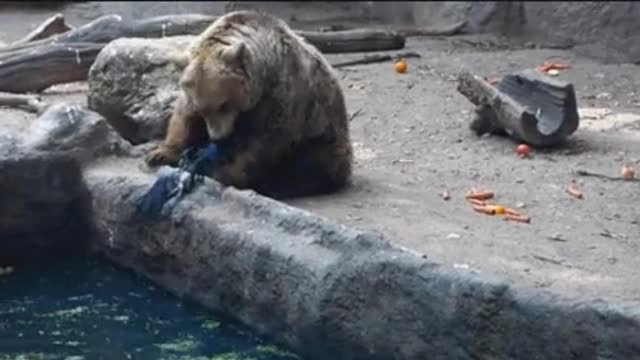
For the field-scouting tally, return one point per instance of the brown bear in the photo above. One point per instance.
(272, 104)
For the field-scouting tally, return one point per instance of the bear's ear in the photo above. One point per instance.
(234, 54)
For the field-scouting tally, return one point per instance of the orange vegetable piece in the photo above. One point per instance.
(400, 66)
(497, 209)
(517, 218)
(483, 209)
(485, 195)
(477, 202)
(574, 192)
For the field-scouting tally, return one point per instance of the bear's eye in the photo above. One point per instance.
(224, 107)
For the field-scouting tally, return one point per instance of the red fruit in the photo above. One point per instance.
(523, 150)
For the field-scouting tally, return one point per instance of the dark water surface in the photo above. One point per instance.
(91, 310)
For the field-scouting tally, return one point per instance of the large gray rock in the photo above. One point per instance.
(44, 207)
(331, 292)
(71, 129)
(134, 82)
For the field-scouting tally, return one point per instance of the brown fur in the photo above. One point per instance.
(272, 104)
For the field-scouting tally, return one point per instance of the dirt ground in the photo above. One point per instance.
(412, 142)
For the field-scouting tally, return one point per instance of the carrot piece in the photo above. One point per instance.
(497, 209)
(517, 218)
(509, 211)
(548, 65)
(574, 192)
(477, 202)
(484, 195)
(483, 210)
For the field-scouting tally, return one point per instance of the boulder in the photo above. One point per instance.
(44, 212)
(134, 82)
(72, 129)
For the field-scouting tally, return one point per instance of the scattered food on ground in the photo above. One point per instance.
(400, 66)
(523, 150)
(477, 199)
(548, 66)
(518, 218)
(627, 172)
(553, 72)
(573, 191)
(479, 195)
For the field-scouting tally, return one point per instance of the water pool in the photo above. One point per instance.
(91, 310)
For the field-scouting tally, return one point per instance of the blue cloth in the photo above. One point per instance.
(169, 188)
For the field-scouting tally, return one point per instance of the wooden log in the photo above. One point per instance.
(53, 64)
(28, 103)
(111, 27)
(410, 31)
(449, 30)
(52, 26)
(67, 57)
(529, 107)
(357, 40)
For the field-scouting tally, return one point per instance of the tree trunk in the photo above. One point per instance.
(34, 66)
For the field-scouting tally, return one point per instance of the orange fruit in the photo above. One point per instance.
(400, 66)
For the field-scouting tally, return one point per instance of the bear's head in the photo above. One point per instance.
(216, 86)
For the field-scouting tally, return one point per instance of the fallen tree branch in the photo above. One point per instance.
(372, 59)
(356, 40)
(52, 26)
(602, 176)
(54, 64)
(28, 103)
(410, 31)
(67, 57)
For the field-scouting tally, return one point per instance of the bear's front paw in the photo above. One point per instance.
(162, 156)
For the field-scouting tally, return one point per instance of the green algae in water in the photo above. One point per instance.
(90, 310)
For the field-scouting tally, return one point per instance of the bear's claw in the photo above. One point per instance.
(161, 156)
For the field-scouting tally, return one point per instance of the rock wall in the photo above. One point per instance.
(608, 31)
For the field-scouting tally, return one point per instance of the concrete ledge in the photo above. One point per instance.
(331, 292)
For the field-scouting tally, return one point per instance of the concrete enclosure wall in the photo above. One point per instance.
(608, 31)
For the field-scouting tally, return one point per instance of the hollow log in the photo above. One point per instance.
(34, 66)
(529, 107)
